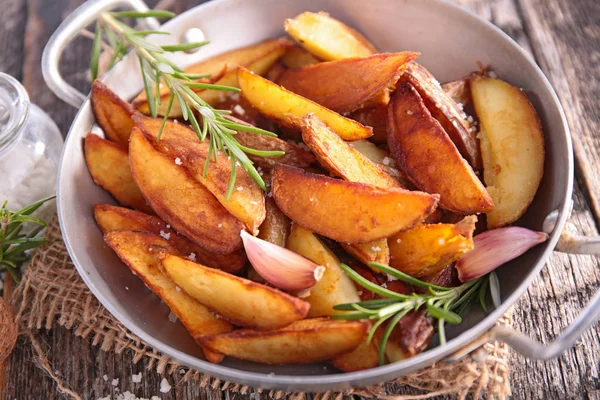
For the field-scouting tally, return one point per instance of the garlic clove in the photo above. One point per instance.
(279, 266)
(494, 248)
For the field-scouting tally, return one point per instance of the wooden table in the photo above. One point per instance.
(564, 38)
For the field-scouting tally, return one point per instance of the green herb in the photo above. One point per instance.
(157, 70)
(442, 303)
(14, 243)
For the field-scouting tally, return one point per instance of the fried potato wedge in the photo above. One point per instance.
(365, 356)
(247, 201)
(382, 158)
(133, 248)
(426, 249)
(180, 200)
(113, 218)
(346, 85)
(426, 154)
(302, 342)
(375, 117)
(295, 57)
(276, 227)
(446, 111)
(257, 58)
(459, 91)
(334, 287)
(108, 164)
(512, 145)
(375, 251)
(328, 38)
(249, 304)
(294, 155)
(340, 158)
(112, 113)
(347, 211)
(287, 108)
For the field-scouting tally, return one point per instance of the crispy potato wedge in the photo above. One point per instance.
(446, 111)
(151, 126)
(257, 58)
(383, 159)
(427, 249)
(429, 158)
(341, 159)
(247, 201)
(112, 113)
(295, 57)
(276, 227)
(287, 108)
(249, 304)
(335, 287)
(346, 85)
(375, 117)
(242, 109)
(305, 341)
(347, 211)
(180, 200)
(294, 155)
(109, 166)
(328, 38)
(365, 356)
(275, 72)
(410, 337)
(459, 91)
(113, 218)
(375, 251)
(133, 248)
(512, 145)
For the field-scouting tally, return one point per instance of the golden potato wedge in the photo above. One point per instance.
(426, 154)
(257, 58)
(286, 107)
(347, 211)
(327, 38)
(275, 72)
(113, 218)
(151, 126)
(459, 91)
(247, 201)
(427, 249)
(512, 146)
(276, 227)
(365, 356)
(375, 117)
(335, 287)
(341, 159)
(294, 155)
(295, 57)
(375, 251)
(109, 166)
(446, 111)
(180, 200)
(305, 341)
(112, 113)
(139, 251)
(249, 304)
(382, 158)
(242, 109)
(346, 85)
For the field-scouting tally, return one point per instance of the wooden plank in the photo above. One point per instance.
(12, 23)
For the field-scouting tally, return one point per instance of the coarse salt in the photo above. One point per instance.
(384, 285)
(240, 188)
(492, 74)
(105, 377)
(177, 289)
(126, 287)
(442, 241)
(254, 202)
(192, 257)
(172, 317)
(391, 278)
(165, 235)
(164, 386)
(386, 161)
(409, 112)
(115, 382)
(376, 248)
(178, 161)
(239, 110)
(311, 199)
(136, 378)
(220, 226)
(398, 240)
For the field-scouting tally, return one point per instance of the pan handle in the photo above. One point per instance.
(83, 16)
(572, 243)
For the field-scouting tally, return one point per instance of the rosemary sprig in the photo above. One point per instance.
(14, 243)
(158, 70)
(442, 303)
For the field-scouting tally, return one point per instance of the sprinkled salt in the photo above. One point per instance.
(460, 106)
(442, 241)
(391, 278)
(105, 377)
(409, 112)
(398, 240)
(492, 74)
(270, 194)
(239, 110)
(240, 188)
(254, 202)
(172, 317)
(168, 226)
(115, 382)
(126, 287)
(234, 96)
(192, 257)
(165, 235)
(470, 119)
(386, 161)
(177, 289)
(136, 378)
(376, 248)
(178, 161)
(164, 386)
(220, 225)
(311, 199)
(384, 285)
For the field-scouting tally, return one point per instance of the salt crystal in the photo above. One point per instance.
(178, 161)
(105, 377)
(168, 226)
(492, 74)
(391, 278)
(136, 378)
(384, 285)
(192, 257)
(220, 225)
(237, 164)
(126, 288)
(460, 106)
(239, 110)
(177, 289)
(409, 112)
(470, 119)
(240, 188)
(398, 240)
(442, 241)
(386, 161)
(235, 96)
(270, 194)
(254, 202)
(165, 235)
(175, 121)
(172, 317)
(311, 199)
(376, 248)
(115, 382)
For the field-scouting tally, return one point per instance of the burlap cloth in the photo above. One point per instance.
(51, 292)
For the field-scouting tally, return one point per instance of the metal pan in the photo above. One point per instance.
(451, 40)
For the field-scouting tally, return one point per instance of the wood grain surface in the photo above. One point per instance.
(563, 36)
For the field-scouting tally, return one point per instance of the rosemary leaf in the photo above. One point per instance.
(184, 46)
(144, 14)
(96, 49)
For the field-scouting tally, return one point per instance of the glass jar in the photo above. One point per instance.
(30, 148)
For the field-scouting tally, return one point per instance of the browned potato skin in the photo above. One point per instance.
(346, 85)
(347, 211)
(113, 218)
(375, 117)
(276, 227)
(302, 342)
(426, 249)
(295, 57)
(246, 204)
(109, 166)
(241, 301)
(133, 248)
(365, 356)
(112, 113)
(180, 200)
(459, 91)
(424, 151)
(376, 251)
(446, 111)
(286, 108)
